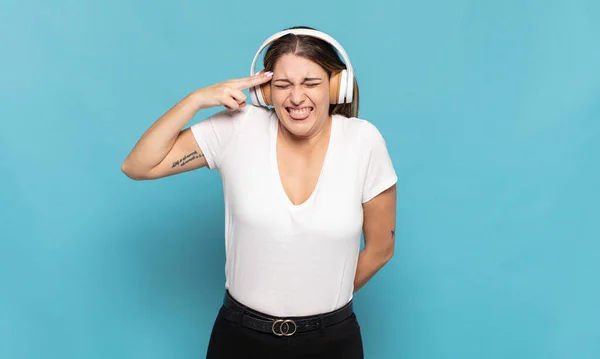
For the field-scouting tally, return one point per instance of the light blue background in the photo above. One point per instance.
(491, 111)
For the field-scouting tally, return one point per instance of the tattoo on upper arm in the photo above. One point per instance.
(187, 158)
(393, 234)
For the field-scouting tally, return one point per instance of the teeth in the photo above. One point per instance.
(300, 112)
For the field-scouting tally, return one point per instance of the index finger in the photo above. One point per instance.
(251, 81)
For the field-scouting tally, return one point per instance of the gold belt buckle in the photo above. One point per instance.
(284, 327)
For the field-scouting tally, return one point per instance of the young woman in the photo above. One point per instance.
(303, 178)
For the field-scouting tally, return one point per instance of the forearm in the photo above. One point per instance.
(369, 263)
(154, 145)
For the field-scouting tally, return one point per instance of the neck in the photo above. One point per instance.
(318, 136)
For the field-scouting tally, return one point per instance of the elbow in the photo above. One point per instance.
(130, 172)
(387, 255)
(382, 255)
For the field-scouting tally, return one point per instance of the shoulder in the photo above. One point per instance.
(246, 113)
(259, 113)
(254, 117)
(360, 131)
(227, 122)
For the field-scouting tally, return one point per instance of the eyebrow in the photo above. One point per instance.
(306, 79)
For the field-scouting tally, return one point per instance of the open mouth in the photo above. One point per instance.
(299, 113)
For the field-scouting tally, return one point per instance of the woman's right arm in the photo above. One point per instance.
(165, 149)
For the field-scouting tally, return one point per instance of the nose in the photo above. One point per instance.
(297, 95)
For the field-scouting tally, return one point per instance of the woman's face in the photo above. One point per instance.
(300, 95)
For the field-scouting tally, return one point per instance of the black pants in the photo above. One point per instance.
(232, 341)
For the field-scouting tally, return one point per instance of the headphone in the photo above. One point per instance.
(341, 84)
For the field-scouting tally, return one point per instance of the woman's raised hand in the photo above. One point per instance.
(229, 93)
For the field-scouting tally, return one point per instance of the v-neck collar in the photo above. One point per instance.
(274, 164)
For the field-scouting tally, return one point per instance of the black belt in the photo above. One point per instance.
(238, 313)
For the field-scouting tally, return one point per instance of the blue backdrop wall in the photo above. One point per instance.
(491, 113)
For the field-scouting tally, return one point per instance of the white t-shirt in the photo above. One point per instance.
(284, 259)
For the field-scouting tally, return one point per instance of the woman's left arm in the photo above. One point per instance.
(379, 228)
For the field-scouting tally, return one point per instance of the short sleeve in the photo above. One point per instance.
(215, 133)
(379, 173)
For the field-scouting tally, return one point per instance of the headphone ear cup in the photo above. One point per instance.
(334, 87)
(265, 90)
(257, 96)
(254, 96)
(343, 87)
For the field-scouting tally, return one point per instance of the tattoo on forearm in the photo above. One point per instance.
(393, 234)
(187, 158)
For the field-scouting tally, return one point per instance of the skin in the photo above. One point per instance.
(297, 83)
(165, 149)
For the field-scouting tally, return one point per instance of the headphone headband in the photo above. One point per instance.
(320, 35)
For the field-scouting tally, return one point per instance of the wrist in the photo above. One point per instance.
(198, 100)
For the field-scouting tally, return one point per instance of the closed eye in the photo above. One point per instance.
(311, 85)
